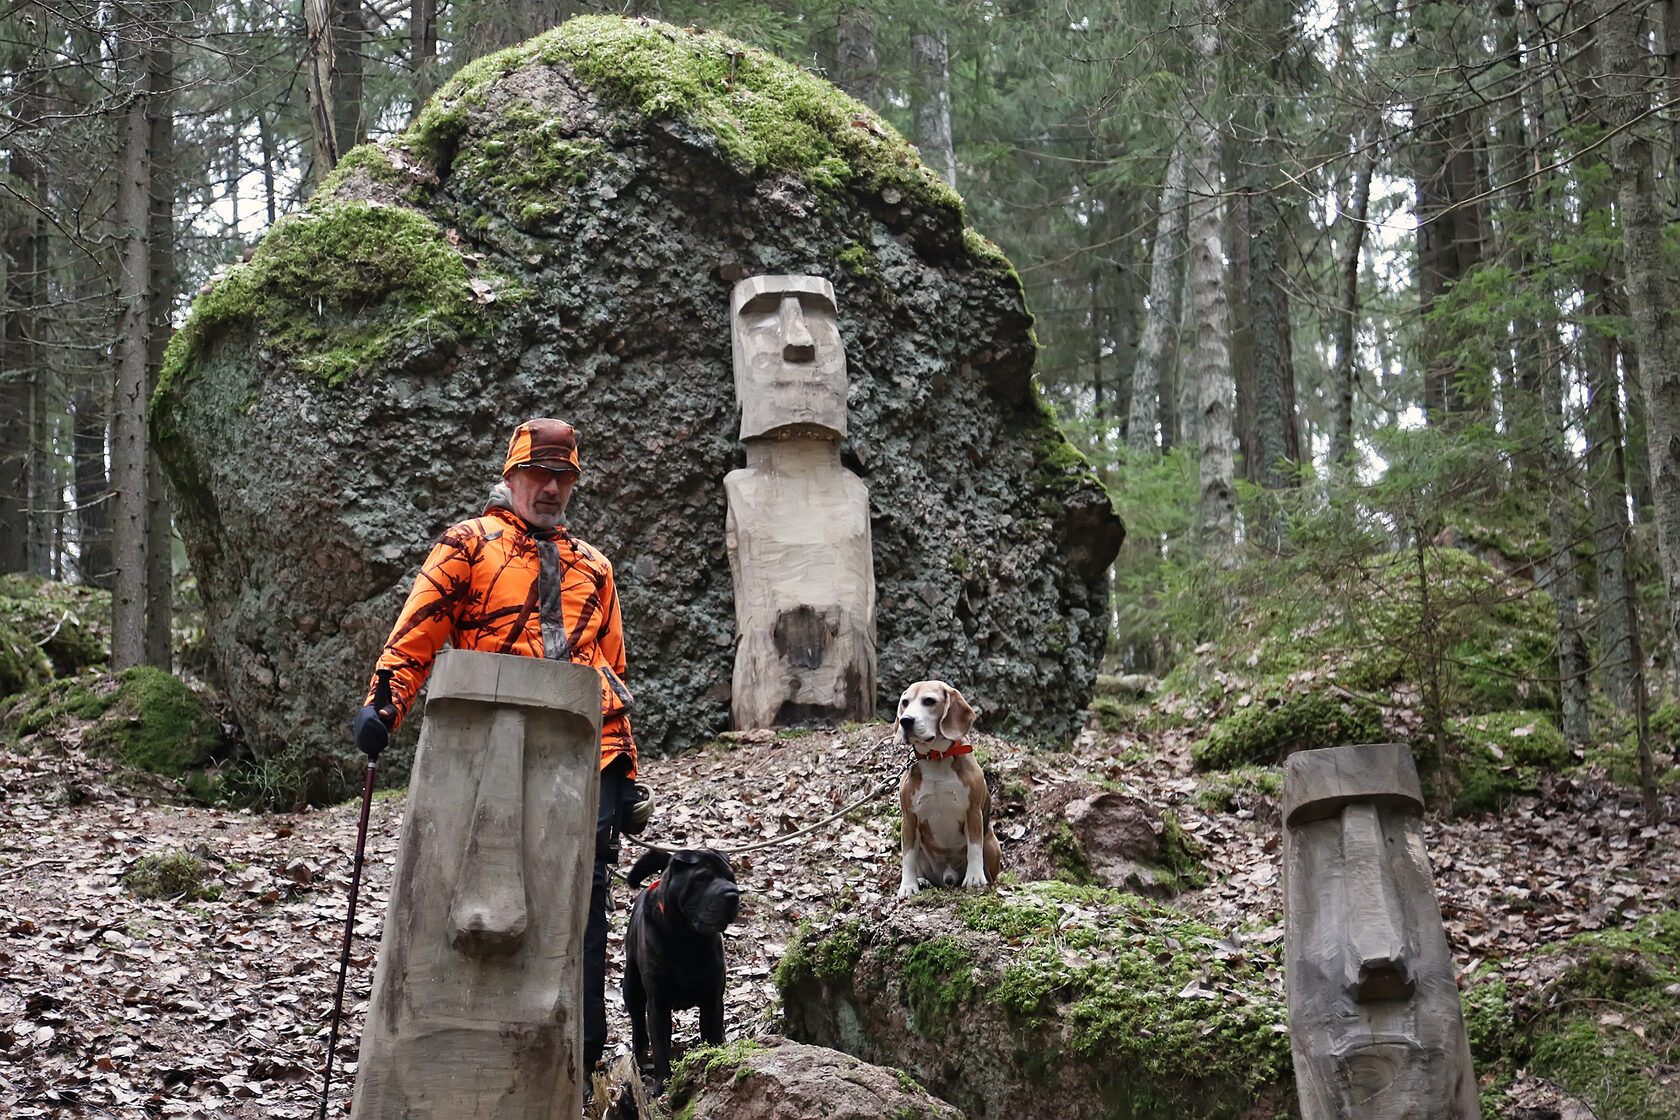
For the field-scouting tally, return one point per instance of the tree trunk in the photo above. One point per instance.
(130, 446)
(1450, 222)
(1166, 281)
(350, 36)
(1650, 295)
(162, 283)
(931, 64)
(22, 379)
(1216, 511)
(857, 66)
(423, 38)
(322, 81)
(1277, 437)
(93, 507)
(1345, 318)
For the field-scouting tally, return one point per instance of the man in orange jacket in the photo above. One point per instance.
(516, 581)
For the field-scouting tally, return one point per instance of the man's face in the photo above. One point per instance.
(540, 495)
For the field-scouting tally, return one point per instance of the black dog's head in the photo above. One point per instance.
(698, 882)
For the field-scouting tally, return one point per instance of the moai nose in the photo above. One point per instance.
(797, 343)
(1378, 962)
(487, 915)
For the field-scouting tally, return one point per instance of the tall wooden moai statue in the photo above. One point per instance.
(798, 525)
(1375, 1023)
(477, 1007)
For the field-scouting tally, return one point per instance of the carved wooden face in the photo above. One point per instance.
(790, 365)
(1375, 1021)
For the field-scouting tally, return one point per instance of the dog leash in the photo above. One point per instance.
(784, 837)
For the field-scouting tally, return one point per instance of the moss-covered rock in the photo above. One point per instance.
(1287, 718)
(1501, 755)
(1106, 1003)
(775, 1079)
(144, 718)
(171, 874)
(22, 664)
(69, 622)
(559, 234)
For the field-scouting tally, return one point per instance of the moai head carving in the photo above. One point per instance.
(478, 996)
(1375, 1023)
(790, 365)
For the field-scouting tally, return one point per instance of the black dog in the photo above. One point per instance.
(673, 948)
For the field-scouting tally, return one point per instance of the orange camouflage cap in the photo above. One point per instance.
(543, 443)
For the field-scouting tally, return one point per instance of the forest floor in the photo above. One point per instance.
(111, 1005)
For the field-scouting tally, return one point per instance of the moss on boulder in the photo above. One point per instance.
(1105, 1002)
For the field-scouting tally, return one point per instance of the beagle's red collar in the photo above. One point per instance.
(952, 751)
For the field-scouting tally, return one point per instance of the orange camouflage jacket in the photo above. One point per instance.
(496, 585)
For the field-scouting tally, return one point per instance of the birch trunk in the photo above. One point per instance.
(1216, 511)
(1166, 281)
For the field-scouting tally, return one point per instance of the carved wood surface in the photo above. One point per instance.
(476, 1011)
(1375, 1024)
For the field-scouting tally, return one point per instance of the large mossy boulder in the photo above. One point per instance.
(559, 234)
(1107, 1004)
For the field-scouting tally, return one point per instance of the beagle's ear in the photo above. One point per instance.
(958, 717)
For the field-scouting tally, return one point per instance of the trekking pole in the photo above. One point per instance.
(381, 700)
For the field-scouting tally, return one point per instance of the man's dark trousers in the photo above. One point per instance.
(615, 788)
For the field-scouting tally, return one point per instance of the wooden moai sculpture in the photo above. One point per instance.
(477, 1005)
(798, 521)
(1375, 1024)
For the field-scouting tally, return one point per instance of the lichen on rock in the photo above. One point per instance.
(565, 221)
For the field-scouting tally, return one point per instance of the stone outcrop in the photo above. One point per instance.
(782, 1080)
(559, 234)
(1104, 1003)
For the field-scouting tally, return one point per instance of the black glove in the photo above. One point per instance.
(372, 733)
(635, 810)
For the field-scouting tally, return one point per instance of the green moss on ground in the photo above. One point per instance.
(1501, 754)
(1602, 1030)
(171, 874)
(1242, 787)
(1281, 721)
(1488, 639)
(334, 288)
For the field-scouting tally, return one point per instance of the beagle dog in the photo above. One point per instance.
(947, 837)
